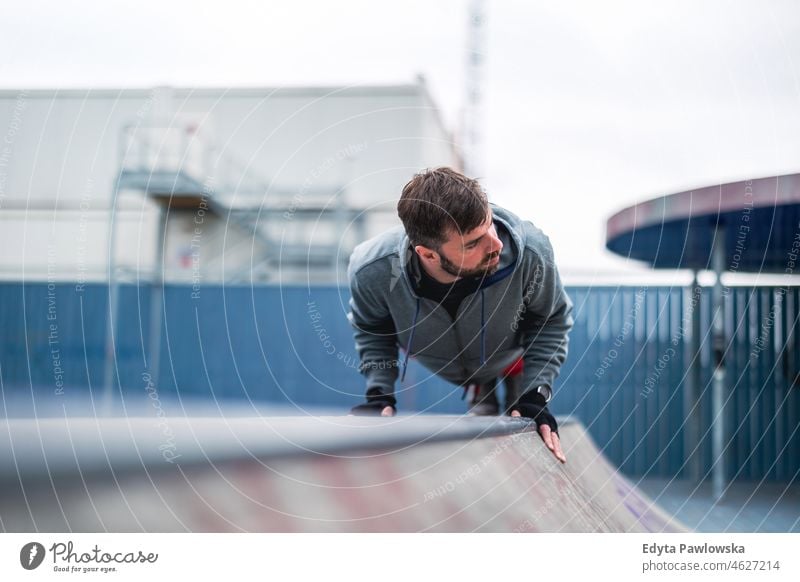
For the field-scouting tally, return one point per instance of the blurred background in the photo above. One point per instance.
(181, 185)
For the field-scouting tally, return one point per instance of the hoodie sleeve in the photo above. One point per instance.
(546, 322)
(375, 334)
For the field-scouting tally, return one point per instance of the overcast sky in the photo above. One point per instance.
(591, 106)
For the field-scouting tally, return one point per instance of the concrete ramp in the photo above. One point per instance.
(321, 474)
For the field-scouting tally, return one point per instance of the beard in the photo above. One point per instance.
(482, 270)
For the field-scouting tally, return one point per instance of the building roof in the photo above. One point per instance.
(760, 217)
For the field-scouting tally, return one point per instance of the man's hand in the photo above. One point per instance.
(388, 411)
(378, 404)
(549, 437)
(374, 408)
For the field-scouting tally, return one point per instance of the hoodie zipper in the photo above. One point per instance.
(453, 325)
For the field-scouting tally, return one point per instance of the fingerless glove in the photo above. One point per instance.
(376, 402)
(533, 405)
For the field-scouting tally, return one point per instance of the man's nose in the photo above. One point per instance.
(495, 244)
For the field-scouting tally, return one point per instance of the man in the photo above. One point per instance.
(470, 290)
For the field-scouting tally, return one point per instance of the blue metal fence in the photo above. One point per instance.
(625, 378)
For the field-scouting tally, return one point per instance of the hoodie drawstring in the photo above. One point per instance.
(483, 350)
(410, 341)
(483, 330)
(414, 327)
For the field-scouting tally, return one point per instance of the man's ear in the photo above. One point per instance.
(426, 253)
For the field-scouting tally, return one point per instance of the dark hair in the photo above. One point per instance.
(441, 199)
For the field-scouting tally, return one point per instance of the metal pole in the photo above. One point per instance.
(340, 219)
(691, 395)
(111, 316)
(157, 299)
(718, 385)
(475, 73)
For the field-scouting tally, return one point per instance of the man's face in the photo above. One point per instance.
(471, 254)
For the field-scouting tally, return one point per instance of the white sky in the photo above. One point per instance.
(591, 106)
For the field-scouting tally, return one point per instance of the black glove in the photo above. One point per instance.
(376, 402)
(533, 405)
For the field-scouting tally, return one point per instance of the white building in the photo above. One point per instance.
(255, 184)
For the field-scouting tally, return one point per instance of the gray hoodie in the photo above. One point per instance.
(520, 310)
